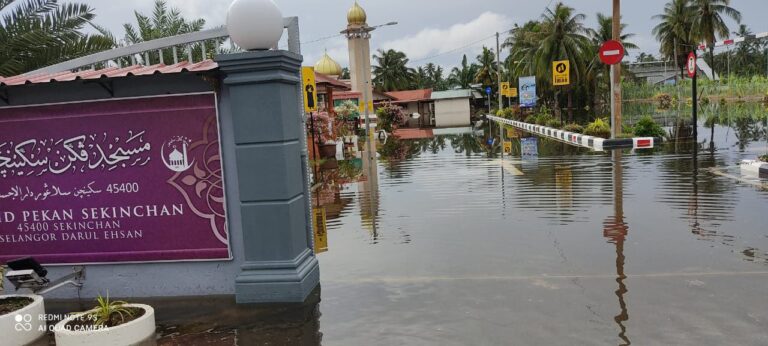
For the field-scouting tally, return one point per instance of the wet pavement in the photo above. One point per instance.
(443, 242)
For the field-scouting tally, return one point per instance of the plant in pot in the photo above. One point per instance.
(346, 115)
(109, 323)
(320, 128)
(22, 318)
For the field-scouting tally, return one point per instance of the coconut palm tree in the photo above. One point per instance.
(597, 74)
(708, 22)
(166, 22)
(39, 33)
(674, 32)
(420, 78)
(464, 75)
(563, 37)
(747, 56)
(391, 72)
(486, 75)
(523, 43)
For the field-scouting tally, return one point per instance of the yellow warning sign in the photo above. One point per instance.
(505, 89)
(310, 89)
(507, 147)
(362, 107)
(512, 92)
(561, 72)
(321, 230)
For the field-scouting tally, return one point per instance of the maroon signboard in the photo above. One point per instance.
(691, 65)
(611, 52)
(132, 180)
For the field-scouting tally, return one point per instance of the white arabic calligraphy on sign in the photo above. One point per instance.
(84, 152)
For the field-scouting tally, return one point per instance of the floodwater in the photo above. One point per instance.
(444, 242)
(456, 246)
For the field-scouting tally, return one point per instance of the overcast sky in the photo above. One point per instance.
(439, 31)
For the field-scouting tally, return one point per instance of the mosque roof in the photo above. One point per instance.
(356, 15)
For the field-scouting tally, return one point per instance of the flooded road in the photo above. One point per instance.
(454, 245)
(441, 241)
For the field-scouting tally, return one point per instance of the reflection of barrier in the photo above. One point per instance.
(579, 140)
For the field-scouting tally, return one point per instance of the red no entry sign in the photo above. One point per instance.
(691, 65)
(611, 52)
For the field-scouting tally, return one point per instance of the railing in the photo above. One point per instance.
(139, 53)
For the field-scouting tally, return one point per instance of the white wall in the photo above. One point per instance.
(452, 112)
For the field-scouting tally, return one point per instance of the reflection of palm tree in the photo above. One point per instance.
(745, 127)
(466, 143)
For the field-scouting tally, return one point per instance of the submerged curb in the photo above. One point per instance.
(595, 143)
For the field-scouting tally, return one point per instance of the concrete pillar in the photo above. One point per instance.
(262, 96)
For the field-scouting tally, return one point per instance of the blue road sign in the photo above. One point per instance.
(488, 90)
(529, 146)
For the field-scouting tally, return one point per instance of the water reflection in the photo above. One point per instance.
(615, 229)
(449, 207)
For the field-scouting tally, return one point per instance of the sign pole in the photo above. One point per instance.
(695, 110)
(613, 105)
(616, 69)
(692, 72)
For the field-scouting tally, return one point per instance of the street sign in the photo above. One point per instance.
(561, 72)
(512, 133)
(488, 90)
(529, 146)
(512, 92)
(361, 106)
(505, 89)
(611, 52)
(691, 66)
(507, 147)
(310, 89)
(528, 92)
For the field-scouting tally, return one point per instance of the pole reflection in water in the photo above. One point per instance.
(368, 189)
(616, 230)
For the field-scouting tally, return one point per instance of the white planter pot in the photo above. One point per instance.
(131, 333)
(23, 326)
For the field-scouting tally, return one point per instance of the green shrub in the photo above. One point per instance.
(647, 127)
(553, 123)
(763, 158)
(506, 113)
(598, 128)
(542, 119)
(663, 100)
(575, 128)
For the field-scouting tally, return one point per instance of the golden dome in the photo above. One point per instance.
(327, 66)
(356, 15)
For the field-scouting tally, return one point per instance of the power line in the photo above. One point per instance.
(455, 49)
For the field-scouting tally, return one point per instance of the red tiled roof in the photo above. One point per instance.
(110, 72)
(325, 79)
(410, 95)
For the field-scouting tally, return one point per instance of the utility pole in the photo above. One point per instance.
(616, 69)
(498, 71)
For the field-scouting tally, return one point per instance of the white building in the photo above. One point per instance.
(453, 107)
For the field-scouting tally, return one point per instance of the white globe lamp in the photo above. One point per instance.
(254, 24)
